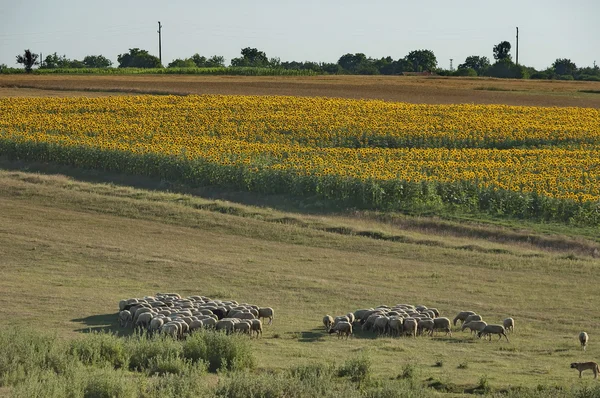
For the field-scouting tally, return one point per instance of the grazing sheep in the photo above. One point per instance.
(350, 317)
(370, 321)
(143, 320)
(395, 325)
(156, 324)
(359, 315)
(341, 318)
(225, 324)
(461, 316)
(425, 324)
(266, 312)
(342, 328)
(509, 324)
(442, 324)
(410, 326)
(472, 318)
(328, 322)
(583, 340)
(380, 325)
(242, 327)
(196, 325)
(170, 329)
(256, 327)
(435, 311)
(124, 318)
(474, 326)
(489, 330)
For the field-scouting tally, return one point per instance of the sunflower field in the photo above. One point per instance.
(526, 162)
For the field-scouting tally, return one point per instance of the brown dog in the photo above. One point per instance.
(581, 366)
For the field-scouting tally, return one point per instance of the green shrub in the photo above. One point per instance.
(356, 369)
(24, 352)
(144, 351)
(225, 352)
(100, 349)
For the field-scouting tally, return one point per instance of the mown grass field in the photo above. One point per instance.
(74, 242)
(69, 250)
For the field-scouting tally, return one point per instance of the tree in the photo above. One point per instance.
(505, 68)
(137, 58)
(96, 61)
(422, 60)
(182, 63)
(215, 61)
(28, 59)
(475, 62)
(352, 62)
(502, 50)
(251, 57)
(564, 66)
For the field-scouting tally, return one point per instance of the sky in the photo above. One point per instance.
(308, 30)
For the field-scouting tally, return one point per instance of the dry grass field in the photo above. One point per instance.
(73, 242)
(428, 90)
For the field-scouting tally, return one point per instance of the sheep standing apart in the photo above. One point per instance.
(461, 316)
(328, 322)
(266, 312)
(342, 328)
(583, 340)
(509, 324)
(489, 330)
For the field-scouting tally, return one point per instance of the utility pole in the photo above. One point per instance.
(517, 45)
(159, 43)
(451, 64)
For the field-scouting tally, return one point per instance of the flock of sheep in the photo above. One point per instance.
(170, 314)
(407, 319)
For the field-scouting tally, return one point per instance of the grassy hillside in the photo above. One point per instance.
(69, 250)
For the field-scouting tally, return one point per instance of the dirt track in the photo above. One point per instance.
(431, 90)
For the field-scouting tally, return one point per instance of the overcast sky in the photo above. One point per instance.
(307, 30)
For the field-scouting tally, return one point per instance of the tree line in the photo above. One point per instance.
(416, 61)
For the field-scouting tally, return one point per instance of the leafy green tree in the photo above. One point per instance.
(96, 61)
(137, 58)
(28, 59)
(422, 60)
(251, 57)
(182, 63)
(502, 50)
(358, 63)
(465, 72)
(505, 68)
(475, 62)
(215, 61)
(564, 66)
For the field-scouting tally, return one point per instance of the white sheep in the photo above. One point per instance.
(489, 330)
(442, 324)
(474, 317)
(583, 340)
(509, 324)
(342, 328)
(425, 324)
(256, 327)
(395, 325)
(474, 326)
(328, 322)
(410, 326)
(461, 316)
(350, 317)
(266, 312)
(380, 325)
(124, 318)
